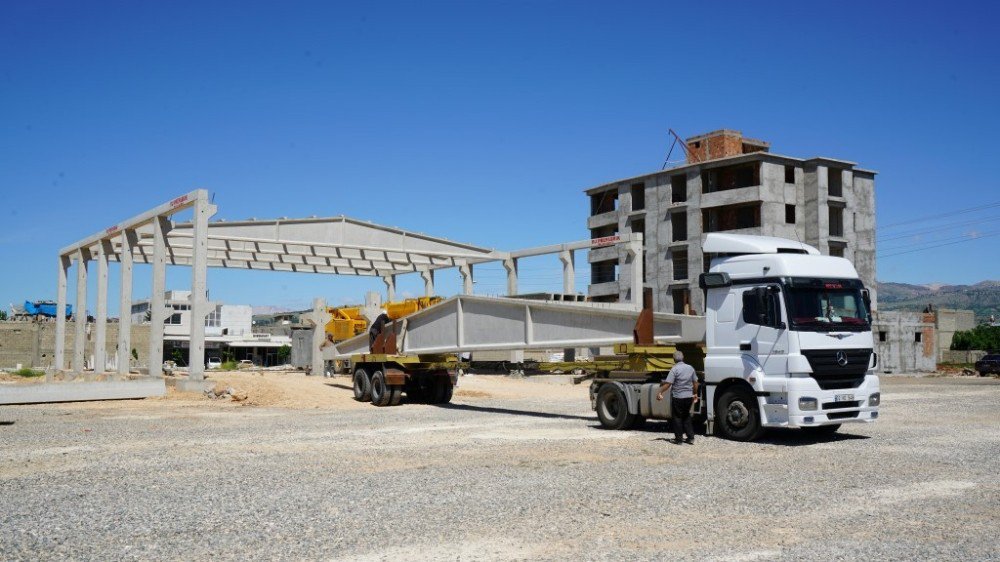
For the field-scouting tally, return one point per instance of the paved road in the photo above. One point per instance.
(500, 474)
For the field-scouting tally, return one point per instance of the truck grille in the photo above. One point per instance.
(841, 405)
(841, 415)
(831, 375)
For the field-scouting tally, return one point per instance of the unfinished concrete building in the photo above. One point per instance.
(733, 184)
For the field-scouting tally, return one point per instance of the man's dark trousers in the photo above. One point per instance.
(680, 410)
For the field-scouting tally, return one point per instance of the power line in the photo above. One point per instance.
(919, 231)
(967, 239)
(943, 215)
(917, 243)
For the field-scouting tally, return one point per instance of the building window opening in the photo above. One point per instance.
(790, 214)
(837, 250)
(639, 227)
(173, 320)
(916, 337)
(882, 336)
(604, 231)
(835, 182)
(603, 272)
(789, 174)
(731, 217)
(679, 226)
(638, 196)
(730, 177)
(679, 259)
(603, 202)
(836, 221)
(682, 301)
(678, 188)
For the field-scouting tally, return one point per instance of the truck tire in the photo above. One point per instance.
(381, 394)
(738, 415)
(440, 391)
(612, 408)
(362, 386)
(822, 429)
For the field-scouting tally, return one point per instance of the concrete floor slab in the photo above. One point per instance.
(82, 391)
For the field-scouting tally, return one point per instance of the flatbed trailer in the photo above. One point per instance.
(383, 378)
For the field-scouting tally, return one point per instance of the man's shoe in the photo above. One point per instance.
(677, 441)
(689, 440)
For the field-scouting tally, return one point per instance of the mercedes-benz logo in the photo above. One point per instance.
(842, 358)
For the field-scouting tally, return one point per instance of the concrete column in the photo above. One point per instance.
(467, 281)
(319, 319)
(128, 241)
(157, 309)
(635, 261)
(390, 287)
(428, 276)
(60, 352)
(511, 266)
(203, 210)
(569, 271)
(101, 318)
(80, 335)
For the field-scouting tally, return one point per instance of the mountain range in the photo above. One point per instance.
(982, 297)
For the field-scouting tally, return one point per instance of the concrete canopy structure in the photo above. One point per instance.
(337, 246)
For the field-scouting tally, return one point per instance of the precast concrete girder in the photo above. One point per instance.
(470, 323)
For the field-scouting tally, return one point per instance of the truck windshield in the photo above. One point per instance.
(827, 308)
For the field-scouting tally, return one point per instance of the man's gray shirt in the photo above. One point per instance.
(681, 379)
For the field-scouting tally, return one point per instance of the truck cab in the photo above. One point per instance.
(788, 338)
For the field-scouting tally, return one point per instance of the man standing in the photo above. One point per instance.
(682, 382)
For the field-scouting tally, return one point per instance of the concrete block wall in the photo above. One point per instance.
(949, 321)
(32, 344)
(901, 352)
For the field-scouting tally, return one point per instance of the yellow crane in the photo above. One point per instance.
(350, 321)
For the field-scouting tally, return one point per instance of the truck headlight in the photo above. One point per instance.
(806, 403)
(875, 399)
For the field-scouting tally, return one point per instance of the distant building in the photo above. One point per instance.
(905, 342)
(228, 331)
(947, 322)
(729, 184)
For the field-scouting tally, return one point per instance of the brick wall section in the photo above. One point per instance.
(32, 344)
(720, 144)
(928, 337)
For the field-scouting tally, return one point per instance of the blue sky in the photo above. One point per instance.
(477, 121)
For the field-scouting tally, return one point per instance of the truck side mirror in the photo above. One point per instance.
(774, 309)
(760, 299)
(867, 297)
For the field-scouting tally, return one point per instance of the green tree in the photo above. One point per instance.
(3, 315)
(982, 337)
(284, 354)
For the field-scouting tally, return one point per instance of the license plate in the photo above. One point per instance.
(844, 398)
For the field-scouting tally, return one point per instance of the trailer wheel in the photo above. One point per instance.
(440, 391)
(738, 415)
(612, 408)
(381, 394)
(397, 395)
(362, 386)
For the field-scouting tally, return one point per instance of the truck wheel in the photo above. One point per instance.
(397, 395)
(381, 395)
(440, 391)
(612, 408)
(738, 415)
(638, 422)
(362, 386)
(822, 429)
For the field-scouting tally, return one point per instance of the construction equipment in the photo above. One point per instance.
(786, 342)
(350, 321)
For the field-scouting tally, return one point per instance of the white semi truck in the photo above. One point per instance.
(786, 341)
(788, 344)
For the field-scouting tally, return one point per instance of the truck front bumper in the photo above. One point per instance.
(800, 402)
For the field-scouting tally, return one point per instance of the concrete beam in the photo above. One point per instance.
(81, 391)
(125, 303)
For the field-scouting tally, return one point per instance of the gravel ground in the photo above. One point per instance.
(510, 470)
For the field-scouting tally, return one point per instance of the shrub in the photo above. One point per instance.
(31, 373)
(983, 337)
(229, 365)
